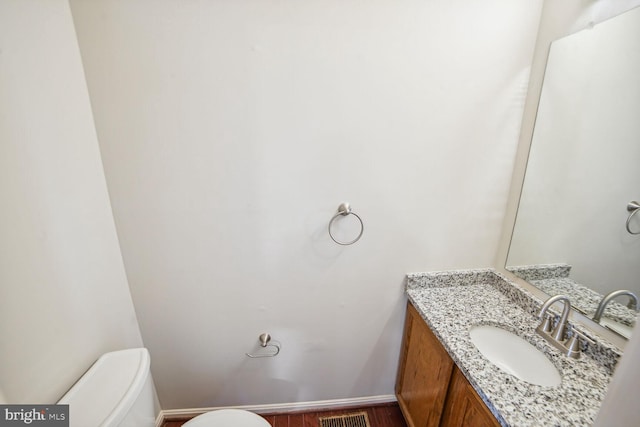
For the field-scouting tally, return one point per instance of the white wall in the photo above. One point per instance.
(582, 170)
(231, 131)
(620, 406)
(64, 298)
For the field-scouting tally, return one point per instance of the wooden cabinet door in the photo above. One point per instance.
(464, 408)
(423, 375)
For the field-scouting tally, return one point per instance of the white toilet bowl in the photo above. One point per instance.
(228, 418)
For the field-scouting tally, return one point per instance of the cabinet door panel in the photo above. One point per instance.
(424, 373)
(464, 408)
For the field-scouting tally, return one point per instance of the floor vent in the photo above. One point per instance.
(356, 419)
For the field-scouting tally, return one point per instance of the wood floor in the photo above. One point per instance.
(382, 415)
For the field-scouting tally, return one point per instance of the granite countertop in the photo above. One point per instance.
(452, 302)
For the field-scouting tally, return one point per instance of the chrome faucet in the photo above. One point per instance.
(545, 327)
(633, 302)
(570, 347)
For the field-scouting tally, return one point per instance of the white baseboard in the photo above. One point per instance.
(317, 405)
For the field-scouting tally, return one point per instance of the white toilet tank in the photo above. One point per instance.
(116, 391)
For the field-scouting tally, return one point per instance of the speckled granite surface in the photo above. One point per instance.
(452, 302)
(541, 271)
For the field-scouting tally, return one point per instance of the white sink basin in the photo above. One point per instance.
(514, 355)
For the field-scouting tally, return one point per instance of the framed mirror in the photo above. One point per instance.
(574, 234)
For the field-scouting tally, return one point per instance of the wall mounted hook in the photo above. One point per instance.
(265, 341)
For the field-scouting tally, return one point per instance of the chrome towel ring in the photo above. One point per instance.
(343, 210)
(633, 207)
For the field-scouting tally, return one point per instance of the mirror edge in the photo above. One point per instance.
(567, 19)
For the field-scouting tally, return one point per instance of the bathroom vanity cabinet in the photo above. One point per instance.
(430, 388)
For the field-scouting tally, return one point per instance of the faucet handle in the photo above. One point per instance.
(573, 343)
(546, 325)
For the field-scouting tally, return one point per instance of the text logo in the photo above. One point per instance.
(34, 415)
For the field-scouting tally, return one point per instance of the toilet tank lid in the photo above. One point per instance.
(108, 390)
